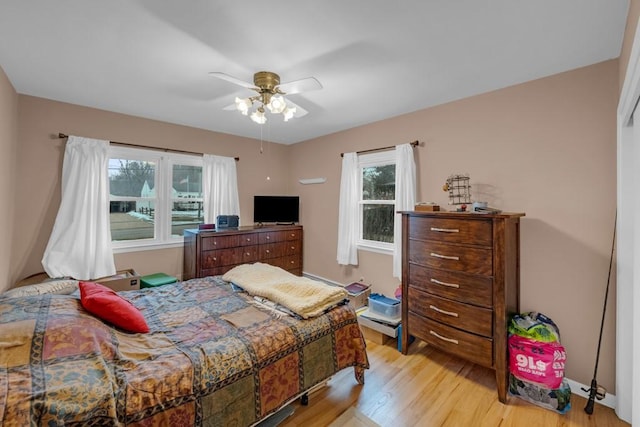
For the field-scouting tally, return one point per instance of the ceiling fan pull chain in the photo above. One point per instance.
(261, 140)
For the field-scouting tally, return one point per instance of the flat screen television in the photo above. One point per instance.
(278, 209)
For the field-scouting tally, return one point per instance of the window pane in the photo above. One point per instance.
(132, 220)
(187, 181)
(187, 210)
(131, 178)
(379, 182)
(377, 222)
(186, 215)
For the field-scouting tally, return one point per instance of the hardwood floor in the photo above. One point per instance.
(428, 388)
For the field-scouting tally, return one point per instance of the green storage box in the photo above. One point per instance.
(156, 279)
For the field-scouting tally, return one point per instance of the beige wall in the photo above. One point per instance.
(8, 147)
(546, 148)
(40, 155)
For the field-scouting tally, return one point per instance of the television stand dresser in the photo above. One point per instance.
(211, 253)
(461, 284)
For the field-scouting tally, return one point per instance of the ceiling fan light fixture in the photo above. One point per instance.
(288, 113)
(243, 105)
(277, 104)
(258, 116)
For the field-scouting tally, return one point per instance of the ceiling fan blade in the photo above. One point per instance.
(299, 86)
(233, 80)
(230, 107)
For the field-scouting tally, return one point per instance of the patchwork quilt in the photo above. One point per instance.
(212, 357)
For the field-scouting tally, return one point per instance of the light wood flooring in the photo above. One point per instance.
(429, 388)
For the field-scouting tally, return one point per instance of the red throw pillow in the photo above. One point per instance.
(107, 305)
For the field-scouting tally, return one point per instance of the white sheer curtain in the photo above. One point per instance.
(348, 211)
(80, 242)
(405, 199)
(219, 187)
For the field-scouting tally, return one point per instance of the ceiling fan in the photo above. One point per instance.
(270, 95)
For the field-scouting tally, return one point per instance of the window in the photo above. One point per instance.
(153, 197)
(377, 175)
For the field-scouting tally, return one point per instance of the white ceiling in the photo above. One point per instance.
(375, 58)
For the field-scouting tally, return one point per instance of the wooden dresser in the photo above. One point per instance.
(461, 283)
(210, 253)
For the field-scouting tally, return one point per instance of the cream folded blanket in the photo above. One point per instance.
(305, 297)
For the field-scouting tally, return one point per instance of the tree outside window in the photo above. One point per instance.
(377, 201)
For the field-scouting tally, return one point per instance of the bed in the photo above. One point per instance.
(213, 356)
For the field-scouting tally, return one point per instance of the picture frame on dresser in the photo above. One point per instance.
(461, 284)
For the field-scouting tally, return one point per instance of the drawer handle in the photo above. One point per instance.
(215, 243)
(453, 258)
(451, 285)
(293, 248)
(267, 251)
(268, 237)
(293, 234)
(248, 253)
(437, 335)
(439, 310)
(445, 230)
(248, 239)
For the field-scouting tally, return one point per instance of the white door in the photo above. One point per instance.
(628, 244)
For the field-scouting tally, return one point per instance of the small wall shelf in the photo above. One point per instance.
(306, 181)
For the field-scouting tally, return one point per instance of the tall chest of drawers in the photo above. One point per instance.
(210, 253)
(461, 284)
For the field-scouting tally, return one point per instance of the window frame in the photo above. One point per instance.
(382, 158)
(164, 162)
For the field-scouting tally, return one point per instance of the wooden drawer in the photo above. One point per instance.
(469, 231)
(248, 239)
(272, 236)
(293, 247)
(287, 263)
(212, 259)
(455, 285)
(470, 318)
(220, 242)
(445, 256)
(463, 344)
(272, 250)
(248, 254)
(293, 234)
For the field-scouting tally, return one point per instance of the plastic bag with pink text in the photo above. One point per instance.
(540, 362)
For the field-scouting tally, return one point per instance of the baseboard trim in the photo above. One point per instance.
(321, 279)
(609, 400)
